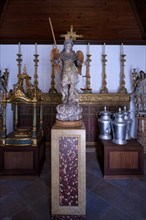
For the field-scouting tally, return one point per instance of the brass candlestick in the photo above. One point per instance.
(5, 82)
(52, 89)
(1, 91)
(36, 60)
(34, 128)
(104, 88)
(122, 88)
(19, 62)
(87, 88)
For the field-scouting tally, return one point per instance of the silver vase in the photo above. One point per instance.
(119, 127)
(104, 122)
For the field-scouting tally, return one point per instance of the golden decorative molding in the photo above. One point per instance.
(113, 97)
(89, 98)
(52, 98)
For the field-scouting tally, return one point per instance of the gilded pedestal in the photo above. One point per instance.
(68, 172)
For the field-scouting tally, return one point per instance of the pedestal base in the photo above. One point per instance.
(68, 173)
(69, 124)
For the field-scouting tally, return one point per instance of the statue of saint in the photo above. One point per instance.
(70, 64)
(139, 90)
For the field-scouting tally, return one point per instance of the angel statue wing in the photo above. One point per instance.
(55, 58)
(80, 57)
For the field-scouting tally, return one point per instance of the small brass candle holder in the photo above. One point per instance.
(122, 88)
(104, 88)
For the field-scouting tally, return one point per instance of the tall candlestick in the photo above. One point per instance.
(19, 48)
(35, 48)
(88, 49)
(104, 49)
(122, 49)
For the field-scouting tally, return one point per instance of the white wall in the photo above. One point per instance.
(135, 58)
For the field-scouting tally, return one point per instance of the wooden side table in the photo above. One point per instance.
(121, 161)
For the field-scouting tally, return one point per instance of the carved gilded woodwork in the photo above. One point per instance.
(23, 92)
(111, 98)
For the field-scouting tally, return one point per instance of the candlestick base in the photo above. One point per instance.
(86, 90)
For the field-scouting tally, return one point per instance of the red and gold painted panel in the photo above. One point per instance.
(68, 172)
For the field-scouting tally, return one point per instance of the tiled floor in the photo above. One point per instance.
(28, 198)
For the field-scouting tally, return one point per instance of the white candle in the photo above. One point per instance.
(35, 48)
(104, 48)
(19, 48)
(122, 49)
(88, 49)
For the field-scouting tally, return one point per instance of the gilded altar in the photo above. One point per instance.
(22, 151)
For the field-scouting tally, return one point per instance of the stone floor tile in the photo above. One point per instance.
(107, 191)
(131, 204)
(91, 181)
(11, 204)
(25, 214)
(96, 207)
(34, 191)
(21, 183)
(5, 189)
(121, 183)
(42, 207)
(138, 188)
(114, 214)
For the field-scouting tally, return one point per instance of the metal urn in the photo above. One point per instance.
(129, 123)
(104, 122)
(119, 127)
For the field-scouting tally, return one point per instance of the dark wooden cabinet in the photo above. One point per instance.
(121, 161)
(22, 160)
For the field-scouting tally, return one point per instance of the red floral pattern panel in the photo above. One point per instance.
(68, 160)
